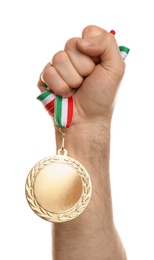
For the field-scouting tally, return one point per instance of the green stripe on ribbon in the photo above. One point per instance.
(125, 49)
(58, 111)
(44, 95)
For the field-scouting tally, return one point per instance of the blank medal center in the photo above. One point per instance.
(57, 187)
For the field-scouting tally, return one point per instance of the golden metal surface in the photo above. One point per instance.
(58, 188)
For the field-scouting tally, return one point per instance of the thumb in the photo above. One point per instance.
(103, 45)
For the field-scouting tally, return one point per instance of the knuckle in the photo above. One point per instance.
(47, 74)
(92, 30)
(39, 84)
(59, 57)
(88, 30)
(63, 91)
(71, 43)
(88, 69)
(77, 82)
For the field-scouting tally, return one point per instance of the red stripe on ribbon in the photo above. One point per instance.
(50, 105)
(51, 111)
(70, 112)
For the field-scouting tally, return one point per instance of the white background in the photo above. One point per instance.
(30, 33)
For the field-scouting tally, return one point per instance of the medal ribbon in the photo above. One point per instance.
(48, 99)
(63, 114)
(62, 108)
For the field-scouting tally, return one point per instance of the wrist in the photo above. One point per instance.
(90, 145)
(86, 141)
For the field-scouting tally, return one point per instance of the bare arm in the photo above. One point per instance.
(95, 67)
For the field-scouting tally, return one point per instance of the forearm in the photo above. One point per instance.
(94, 229)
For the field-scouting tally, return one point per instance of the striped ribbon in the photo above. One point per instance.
(63, 111)
(48, 100)
(124, 51)
(62, 108)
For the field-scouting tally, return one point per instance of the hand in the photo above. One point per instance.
(93, 65)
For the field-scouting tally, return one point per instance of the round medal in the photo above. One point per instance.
(58, 188)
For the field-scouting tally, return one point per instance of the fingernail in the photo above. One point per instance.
(112, 32)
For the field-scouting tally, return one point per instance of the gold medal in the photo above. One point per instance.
(58, 188)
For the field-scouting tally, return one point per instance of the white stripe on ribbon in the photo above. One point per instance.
(64, 113)
(124, 54)
(48, 99)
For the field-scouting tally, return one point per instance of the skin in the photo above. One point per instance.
(93, 65)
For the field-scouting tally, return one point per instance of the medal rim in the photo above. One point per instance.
(74, 211)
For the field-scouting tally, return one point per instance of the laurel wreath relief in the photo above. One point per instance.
(74, 211)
